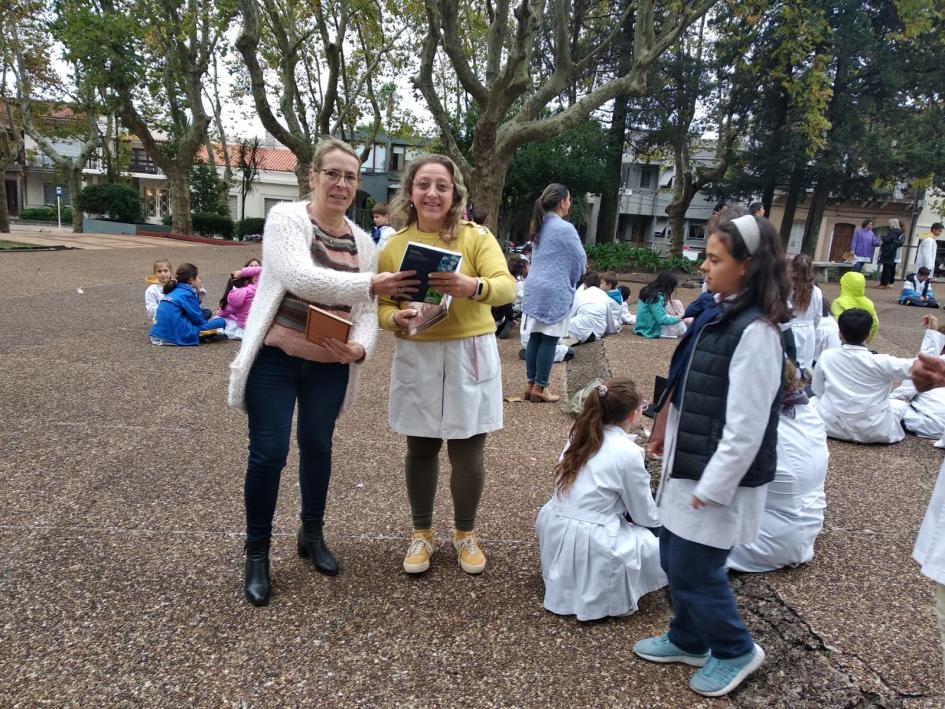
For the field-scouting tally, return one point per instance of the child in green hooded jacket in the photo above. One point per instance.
(853, 295)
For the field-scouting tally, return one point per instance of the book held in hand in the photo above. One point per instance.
(425, 260)
(431, 305)
(321, 325)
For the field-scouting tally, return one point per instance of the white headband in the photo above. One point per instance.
(747, 227)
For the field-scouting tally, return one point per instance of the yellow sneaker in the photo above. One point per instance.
(471, 558)
(421, 549)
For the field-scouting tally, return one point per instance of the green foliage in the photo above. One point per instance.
(212, 225)
(206, 194)
(249, 226)
(167, 219)
(620, 256)
(119, 202)
(44, 214)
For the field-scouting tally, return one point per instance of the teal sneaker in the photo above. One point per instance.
(719, 677)
(660, 649)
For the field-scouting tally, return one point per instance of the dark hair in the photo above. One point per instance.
(553, 195)
(765, 283)
(624, 293)
(720, 216)
(754, 207)
(855, 325)
(866, 221)
(802, 277)
(232, 283)
(517, 265)
(591, 279)
(663, 285)
(527, 249)
(607, 404)
(610, 278)
(186, 272)
(923, 271)
(826, 309)
(379, 208)
(936, 225)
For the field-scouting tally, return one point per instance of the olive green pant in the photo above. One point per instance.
(467, 477)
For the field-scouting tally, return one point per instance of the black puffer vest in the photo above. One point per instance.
(702, 407)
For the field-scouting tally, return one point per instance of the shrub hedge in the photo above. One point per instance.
(45, 214)
(119, 202)
(212, 225)
(623, 257)
(249, 226)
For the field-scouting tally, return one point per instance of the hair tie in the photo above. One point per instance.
(601, 390)
(747, 227)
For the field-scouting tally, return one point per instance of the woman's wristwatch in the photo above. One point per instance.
(480, 285)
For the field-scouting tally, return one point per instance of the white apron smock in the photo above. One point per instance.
(593, 561)
(794, 508)
(446, 389)
(929, 548)
(804, 326)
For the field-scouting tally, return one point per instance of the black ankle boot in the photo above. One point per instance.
(258, 584)
(312, 545)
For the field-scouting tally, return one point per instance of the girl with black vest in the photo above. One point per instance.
(717, 431)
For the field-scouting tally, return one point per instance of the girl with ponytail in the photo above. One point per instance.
(179, 320)
(598, 555)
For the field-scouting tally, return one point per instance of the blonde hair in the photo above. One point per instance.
(327, 145)
(401, 211)
(160, 261)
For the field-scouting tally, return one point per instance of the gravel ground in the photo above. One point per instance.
(121, 559)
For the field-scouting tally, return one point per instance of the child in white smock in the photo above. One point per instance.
(922, 413)
(596, 563)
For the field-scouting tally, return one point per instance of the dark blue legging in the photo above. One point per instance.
(539, 356)
(276, 381)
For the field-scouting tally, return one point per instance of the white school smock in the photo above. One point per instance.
(595, 563)
(922, 413)
(925, 253)
(929, 548)
(153, 295)
(732, 514)
(804, 326)
(794, 509)
(446, 389)
(591, 314)
(828, 336)
(852, 387)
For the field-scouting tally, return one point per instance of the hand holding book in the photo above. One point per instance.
(400, 283)
(454, 283)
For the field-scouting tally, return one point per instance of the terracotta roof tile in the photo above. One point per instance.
(274, 159)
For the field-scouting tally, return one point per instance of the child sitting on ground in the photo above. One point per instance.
(154, 294)
(611, 285)
(593, 561)
(238, 298)
(828, 334)
(626, 317)
(917, 290)
(853, 295)
(382, 230)
(658, 313)
(506, 315)
(794, 507)
(591, 315)
(179, 319)
(852, 385)
(923, 413)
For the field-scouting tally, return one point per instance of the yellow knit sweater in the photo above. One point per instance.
(482, 258)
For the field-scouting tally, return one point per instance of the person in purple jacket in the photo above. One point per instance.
(864, 243)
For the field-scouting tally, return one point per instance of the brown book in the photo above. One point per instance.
(321, 325)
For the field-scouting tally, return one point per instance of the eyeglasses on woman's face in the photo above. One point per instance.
(351, 179)
(441, 186)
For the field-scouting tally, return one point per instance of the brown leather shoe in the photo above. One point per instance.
(527, 396)
(541, 395)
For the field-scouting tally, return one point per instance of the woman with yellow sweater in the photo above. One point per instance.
(446, 381)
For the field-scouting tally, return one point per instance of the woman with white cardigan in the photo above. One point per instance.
(312, 254)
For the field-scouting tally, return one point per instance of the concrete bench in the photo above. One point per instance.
(821, 269)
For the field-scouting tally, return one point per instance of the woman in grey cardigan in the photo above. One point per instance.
(558, 261)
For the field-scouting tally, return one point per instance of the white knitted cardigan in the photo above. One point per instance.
(288, 266)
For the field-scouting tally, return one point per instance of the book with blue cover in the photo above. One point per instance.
(431, 305)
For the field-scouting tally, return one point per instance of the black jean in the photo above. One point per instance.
(275, 383)
(888, 275)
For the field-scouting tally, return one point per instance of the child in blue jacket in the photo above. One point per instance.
(179, 320)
